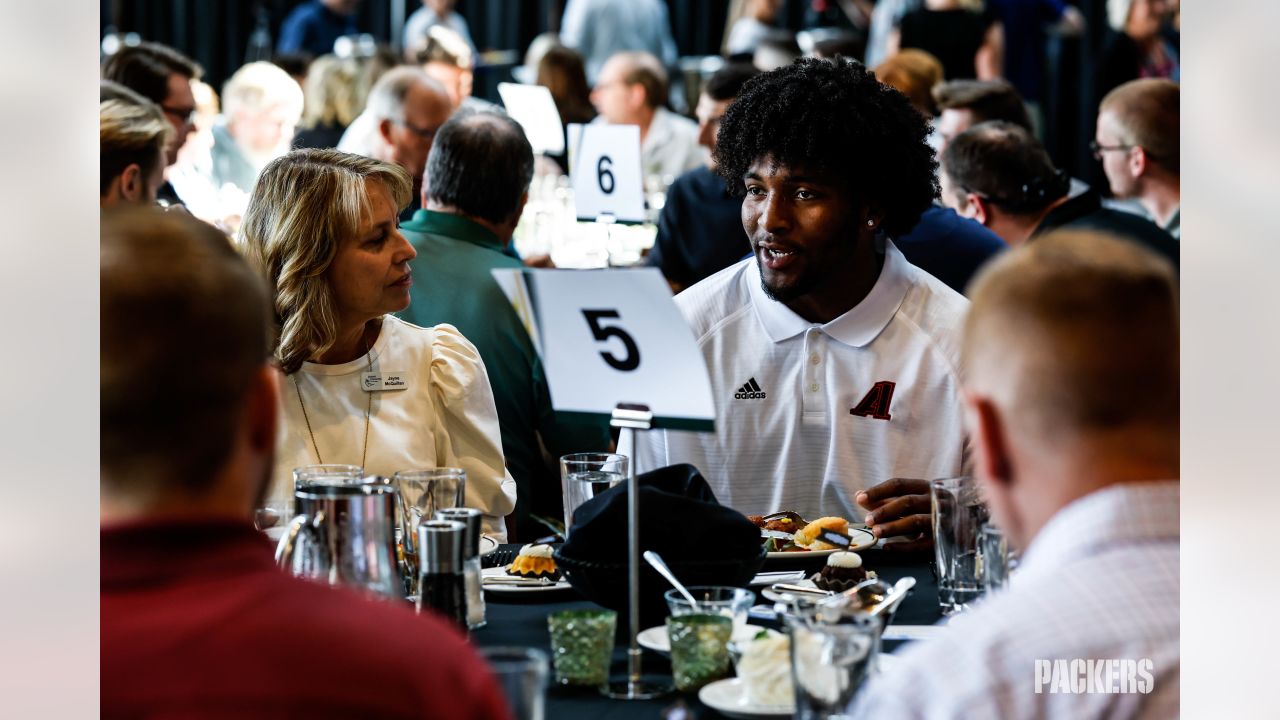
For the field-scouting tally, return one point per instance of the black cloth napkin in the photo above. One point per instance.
(680, 519)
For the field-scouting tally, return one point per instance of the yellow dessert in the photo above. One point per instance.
(534, 561)
(807, 537)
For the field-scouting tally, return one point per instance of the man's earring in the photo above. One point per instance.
(871, 223)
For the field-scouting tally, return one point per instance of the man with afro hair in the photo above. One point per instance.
(833, 361)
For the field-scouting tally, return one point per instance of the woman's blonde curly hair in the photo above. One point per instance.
(303, 206)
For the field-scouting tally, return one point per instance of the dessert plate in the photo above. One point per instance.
(655, 638)
(501, 572)
(729, 698)
(861, 536)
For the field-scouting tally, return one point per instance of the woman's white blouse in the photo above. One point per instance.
(445, 417)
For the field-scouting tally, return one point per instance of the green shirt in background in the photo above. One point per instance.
(452, 284)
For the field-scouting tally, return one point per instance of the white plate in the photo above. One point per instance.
(729, 697)
(655, 638)
(862, 539)
(562, 584)
(487, 544)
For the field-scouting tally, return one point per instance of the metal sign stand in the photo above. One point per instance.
(628, 418)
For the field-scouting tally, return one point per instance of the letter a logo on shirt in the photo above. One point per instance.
(876, 402)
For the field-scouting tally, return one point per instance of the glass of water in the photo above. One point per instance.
(829, 662)
(522, 675)
(958, 518)
(585, 475)
(996, 558)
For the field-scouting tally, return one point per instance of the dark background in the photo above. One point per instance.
(218, 34)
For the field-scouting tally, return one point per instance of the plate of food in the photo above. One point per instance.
(842, 571)
(729, 697)
(787, 535)
(762, 688)
(533, 570)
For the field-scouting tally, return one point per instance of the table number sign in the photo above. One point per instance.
(533, 107)
(605, 169)
(610, 337)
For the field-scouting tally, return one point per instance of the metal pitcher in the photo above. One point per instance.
(344, 534)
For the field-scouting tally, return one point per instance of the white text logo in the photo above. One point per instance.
(1079, 676)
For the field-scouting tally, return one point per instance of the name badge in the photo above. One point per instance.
(379, 382)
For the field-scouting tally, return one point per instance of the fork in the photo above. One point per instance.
(791, 514)
(498, 558)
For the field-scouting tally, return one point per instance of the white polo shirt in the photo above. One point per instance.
(807, 415)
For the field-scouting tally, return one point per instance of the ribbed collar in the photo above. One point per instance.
(859, 325)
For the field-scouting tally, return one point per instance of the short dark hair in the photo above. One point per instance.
(727, 82)
(833, 117)
(1006, 165)
(184, 327)
(480, 163)
(145, 68)
(985, 99)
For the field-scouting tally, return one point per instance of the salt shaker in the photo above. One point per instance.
(442, 579)
(470, 561)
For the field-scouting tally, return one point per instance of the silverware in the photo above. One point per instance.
(791, 514)
(787, 588)
(498, 558)
(900, 590)
(518, 581)
(656, 561)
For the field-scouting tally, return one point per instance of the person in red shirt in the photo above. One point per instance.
(197, 621)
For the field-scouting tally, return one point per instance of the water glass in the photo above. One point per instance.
(582, 645)
(699, 648)
(585, 475)
(958, 517)
(421, 493)
(829, 663)
(522, 676)
(734, 603)
(995, 558)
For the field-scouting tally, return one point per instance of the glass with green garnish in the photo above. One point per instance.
(699, 648)
(582, 645)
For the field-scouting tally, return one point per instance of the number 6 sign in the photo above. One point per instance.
(607, 180)
(613, 336)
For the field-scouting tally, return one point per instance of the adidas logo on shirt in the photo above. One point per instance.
(750, 391)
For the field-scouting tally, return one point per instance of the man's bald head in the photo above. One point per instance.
(1076, 334)
(630, 83)
(185, 330)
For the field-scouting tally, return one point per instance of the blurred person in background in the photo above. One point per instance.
(885, 18)
(756, 24)
(968, 41)
(1001, 176)
(448, 59)
(329, 106)
(432, 13)
(321, 227)
(261, 105)
(561, 71)
(700, 228)
(1137, 142)
(632, 90)
(1076, 454)
(913, 73)
(1027, 24)
(315, 25)
(361, 136)
(965, 103)
(133, 138)
(599, 29)
(1136, 45)
(296, 64)
(164, 76)
(477, 184)
(409, 107)
(775, 52)
(192, 602)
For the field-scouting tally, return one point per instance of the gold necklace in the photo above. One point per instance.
(364, 453)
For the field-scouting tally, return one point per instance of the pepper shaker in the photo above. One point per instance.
(470, 517)
(442, 579)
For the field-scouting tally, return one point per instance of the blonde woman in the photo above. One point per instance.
(321, 227)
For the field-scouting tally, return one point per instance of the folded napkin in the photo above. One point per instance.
(680, 519)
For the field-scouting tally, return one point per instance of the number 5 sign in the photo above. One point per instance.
(607, 180)
(613, 336)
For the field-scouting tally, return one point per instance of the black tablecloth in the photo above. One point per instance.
(520, 620)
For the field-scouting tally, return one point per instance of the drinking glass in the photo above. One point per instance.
(734, 603)
(522, 675)
(699, 648)
(582, 645)
(421, 493)
(273, 513)
(829, 662)
(958, 517)
(585, 475)
(995, 558)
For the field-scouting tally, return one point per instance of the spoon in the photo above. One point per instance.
(656, 561)
(891, 601)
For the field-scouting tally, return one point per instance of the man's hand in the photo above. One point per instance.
(899, 508)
